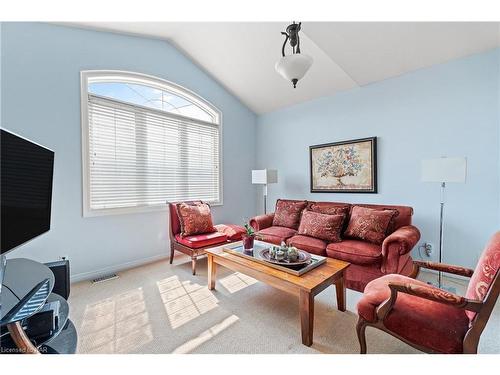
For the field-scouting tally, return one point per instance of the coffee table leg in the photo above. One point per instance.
(306, 305)
(340, 289)
(212, 270)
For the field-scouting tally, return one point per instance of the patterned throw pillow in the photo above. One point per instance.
(393, 223)
(288, 213)
(322, 226)
(369, 224)
(329, 209)
(195, 219)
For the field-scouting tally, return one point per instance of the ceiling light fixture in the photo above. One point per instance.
(293, 67)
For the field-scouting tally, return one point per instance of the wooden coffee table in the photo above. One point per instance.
(306, 287)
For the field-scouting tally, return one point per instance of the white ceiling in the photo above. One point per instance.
(241, 56)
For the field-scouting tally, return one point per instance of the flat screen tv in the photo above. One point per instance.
(26, 195)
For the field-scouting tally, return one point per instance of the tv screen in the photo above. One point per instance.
(26, 195)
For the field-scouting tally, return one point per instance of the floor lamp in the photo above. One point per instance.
(443, 170)
(264, 177)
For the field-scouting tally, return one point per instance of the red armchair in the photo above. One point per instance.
(195, 245)
(428, 318)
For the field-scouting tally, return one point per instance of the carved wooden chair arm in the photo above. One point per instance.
(456, 270)
(428, 293)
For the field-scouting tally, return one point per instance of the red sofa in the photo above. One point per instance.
(369, 261)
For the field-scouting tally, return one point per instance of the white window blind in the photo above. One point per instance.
(140, 156)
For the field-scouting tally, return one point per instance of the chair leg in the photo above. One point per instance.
(360, 329)
(470, 346)
(193, 265)
(171, 253)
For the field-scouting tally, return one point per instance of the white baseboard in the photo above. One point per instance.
(115, 268)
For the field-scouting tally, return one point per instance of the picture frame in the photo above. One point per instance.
(344, 167)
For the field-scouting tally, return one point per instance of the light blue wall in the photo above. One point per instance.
(498, 108)
(449, 109)
(41, 64)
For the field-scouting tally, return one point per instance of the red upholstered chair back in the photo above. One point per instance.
(485, 272)
(402, 219)
(175, 225)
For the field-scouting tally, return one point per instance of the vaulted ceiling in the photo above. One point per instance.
(241, 56)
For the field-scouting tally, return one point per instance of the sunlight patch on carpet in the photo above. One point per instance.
(118, 324)
(236, 282)
(184, 300)
(206, 335)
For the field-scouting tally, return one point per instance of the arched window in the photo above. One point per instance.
(146, 141)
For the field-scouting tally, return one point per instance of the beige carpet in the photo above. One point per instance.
(162, 308)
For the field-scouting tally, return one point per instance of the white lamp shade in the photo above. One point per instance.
(264, 176)
(444, 170)
(294, 66)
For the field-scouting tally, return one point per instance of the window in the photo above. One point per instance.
(146, 141)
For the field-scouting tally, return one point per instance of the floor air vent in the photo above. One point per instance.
(103, 278)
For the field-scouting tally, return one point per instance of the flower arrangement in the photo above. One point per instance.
(249, 229)
(248, 237)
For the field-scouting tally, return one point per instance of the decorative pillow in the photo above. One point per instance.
(329, 209)
(322, 226)
(287, 213)
(195, 219)
(392, 224)
(369, 224)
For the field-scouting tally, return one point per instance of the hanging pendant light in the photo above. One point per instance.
(293, 67)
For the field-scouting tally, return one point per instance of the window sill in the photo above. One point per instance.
(131, 210)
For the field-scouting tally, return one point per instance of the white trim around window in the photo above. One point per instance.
(101, 106)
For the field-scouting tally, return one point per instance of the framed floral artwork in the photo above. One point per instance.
(344, 167)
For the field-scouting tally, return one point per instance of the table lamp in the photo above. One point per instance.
(443, 170)
(264, 177)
